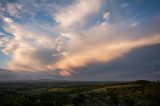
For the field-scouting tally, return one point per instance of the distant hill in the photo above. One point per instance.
(74, 81)
(56, 80)
(142, 82)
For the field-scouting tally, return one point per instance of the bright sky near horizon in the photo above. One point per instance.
(80, 39)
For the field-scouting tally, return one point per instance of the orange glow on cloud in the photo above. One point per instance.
(73, 40)
(102, 53)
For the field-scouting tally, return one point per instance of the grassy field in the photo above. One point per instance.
(136, 93)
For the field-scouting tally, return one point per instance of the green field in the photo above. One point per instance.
(136, 93)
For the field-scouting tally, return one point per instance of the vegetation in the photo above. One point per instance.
(137, 93)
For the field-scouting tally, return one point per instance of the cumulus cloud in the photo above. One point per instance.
(30, 48)
(8, 20)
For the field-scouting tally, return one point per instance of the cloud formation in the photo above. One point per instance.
(103, 53)
(77, 12)
(71, 42)
(8, 20)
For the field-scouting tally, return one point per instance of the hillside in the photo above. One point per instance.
(136, 93)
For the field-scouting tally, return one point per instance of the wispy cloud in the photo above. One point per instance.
(77, 12)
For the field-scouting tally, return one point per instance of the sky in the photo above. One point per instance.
(89, 40)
